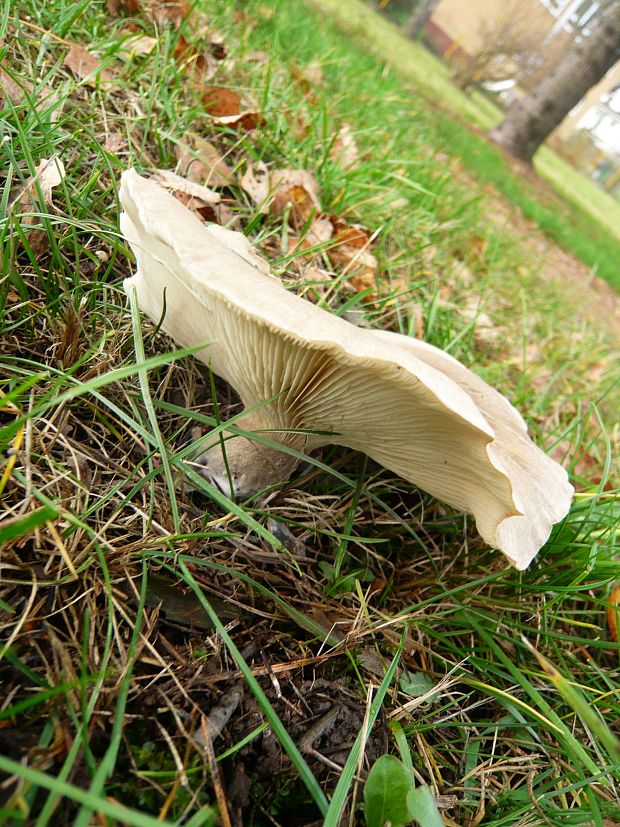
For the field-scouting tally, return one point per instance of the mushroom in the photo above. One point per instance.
(311, 379)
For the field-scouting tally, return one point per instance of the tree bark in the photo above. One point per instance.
(534, 117)
(419, 18)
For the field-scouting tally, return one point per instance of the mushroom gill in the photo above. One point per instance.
(296, 367)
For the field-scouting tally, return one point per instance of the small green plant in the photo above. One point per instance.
(391, 797)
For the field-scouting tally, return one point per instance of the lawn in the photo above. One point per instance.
(585, 220)
(171, 656)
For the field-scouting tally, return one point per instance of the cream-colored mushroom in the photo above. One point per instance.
(311, 378)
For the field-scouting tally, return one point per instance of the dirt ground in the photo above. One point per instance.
(574, 281)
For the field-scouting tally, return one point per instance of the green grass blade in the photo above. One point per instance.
(269, 712)
(341, 793)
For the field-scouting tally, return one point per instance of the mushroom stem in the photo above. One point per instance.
(246, 465)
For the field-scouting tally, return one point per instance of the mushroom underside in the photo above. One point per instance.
(408, 405)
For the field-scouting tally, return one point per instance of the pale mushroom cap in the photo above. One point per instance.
(540, 487)
(373, 392)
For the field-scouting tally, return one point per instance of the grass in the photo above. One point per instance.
(167, 657)
(587, 226)
(574, 186)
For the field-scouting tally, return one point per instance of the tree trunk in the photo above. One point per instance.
(532, 119)
(420, 16)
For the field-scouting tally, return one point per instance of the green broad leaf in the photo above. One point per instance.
(386, 793)
(415, 684)
(18, 526)
(422, 807)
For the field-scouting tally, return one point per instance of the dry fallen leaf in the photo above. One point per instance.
(584, 465)
(195, 197)
(613, 613)
(344, 150)
(114, 143)
(172, 181)
(47, 102)
(224, 106)
(162, 11)
(117, 7)
(169, 11)
(136, 45)
(258, 56)
(196, 64)
(85, 66)
(308, 77)
(201, 162)
(485, 330)
(295, 190)
(216, 45)
(48, 174)
(246, 120)
(11, 90)
(255, 181)
(320, 231)
(351, 251)
(221, 102)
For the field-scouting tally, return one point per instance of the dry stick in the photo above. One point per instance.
(23, 618)
(45, 32)
(62, 548)
(360, 760)
(10, 408)
(220, 795)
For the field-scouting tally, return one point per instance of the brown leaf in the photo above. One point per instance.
(255, 181)
(298, 126)
(85, 66)
(194, 61)
(584, 465)
(175, 183)
(224, 106)
(225, 216)
(247, 120)
(162, 11)
(169, 11)
(118, 7)
(351, 251)
(197, 198)
(48, 174)
(344, 150)
(216, 45)
(354, 236)
(485, 330)
(201, 162)
(295, 190)
(320, 231)
(136, 45)
(114, 143)
(613, 613)
(12, 91)
(221, 102)
(206, 212)
(308, 77)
